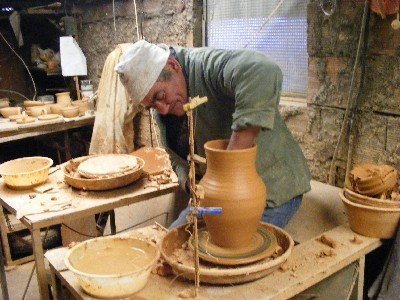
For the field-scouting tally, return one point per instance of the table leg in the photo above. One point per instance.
(67, 146)
(360, 285)
(3, 278)
(40, 267)
(56, 284)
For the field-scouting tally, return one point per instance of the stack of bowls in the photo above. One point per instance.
(369, 213)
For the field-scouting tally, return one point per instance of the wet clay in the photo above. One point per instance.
(232, 182)
(118, 259)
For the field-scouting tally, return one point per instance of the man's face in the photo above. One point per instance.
(168, 97)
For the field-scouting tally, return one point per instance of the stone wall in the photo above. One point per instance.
(175, 22)
(332, 44)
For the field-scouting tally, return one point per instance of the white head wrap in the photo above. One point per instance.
(140, 67)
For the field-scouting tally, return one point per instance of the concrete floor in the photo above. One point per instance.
(17, 280)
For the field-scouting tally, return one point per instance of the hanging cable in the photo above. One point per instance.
(136, 20)
(267, 19)
(26, 67)
(347, 124)
(113, 8)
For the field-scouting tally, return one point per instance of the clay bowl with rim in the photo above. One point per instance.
(365, 200)
(30, 103)
(97, 265)
(210, 273)
(56, 108)
(25, 120)
(10, 111)
(370, 180)
(83, 106)
(4, 102)
(35, 111)
(72, 177)
(70, 111)
(25, 173)
(376, 222)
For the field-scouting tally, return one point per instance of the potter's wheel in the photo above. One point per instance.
(175, 251)
(262, 244)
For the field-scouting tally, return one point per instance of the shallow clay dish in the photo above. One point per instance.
(73, 178)
(25, 120)
(377, 222)
(365, 200)
(112, 267)
(14, 118)
(183, 266)
(48, 117)
(107, 165)
(263, 244)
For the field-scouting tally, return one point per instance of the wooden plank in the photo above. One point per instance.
(305, 267)
(40, 267)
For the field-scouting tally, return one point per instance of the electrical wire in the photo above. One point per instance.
(136, 20)
(26, 67)
(130, 227)
(113, 7)
(267, 19)
(347, 124)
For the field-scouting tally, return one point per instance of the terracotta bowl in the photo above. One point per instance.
(371, 221)
(25, 173)
(370, 201)
(70, 111)
(112, 267)
(10, 111)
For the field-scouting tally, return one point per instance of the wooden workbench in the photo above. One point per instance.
(84, 204)
(10, 131)
(321, 213)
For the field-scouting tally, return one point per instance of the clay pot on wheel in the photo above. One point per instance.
(232, 182)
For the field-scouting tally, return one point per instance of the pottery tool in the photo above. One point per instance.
(196, 192)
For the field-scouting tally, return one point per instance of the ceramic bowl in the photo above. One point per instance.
(112, 267)
(369, 201)
(30, 103)
(377, 222)
(14, 118)
(25, 173)
(35, 111)
(70, 111)
(56, 108)
(63, 98)
(83, 106)
(10, 111)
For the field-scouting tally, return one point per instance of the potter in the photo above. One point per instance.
(243, 90)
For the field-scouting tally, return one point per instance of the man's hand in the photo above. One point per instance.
(243, 139)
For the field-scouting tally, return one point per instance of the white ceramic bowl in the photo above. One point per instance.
(25, 173)
(112, 267)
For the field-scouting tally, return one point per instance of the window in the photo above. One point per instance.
(234, 24)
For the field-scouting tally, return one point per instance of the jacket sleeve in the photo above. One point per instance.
(255, 82)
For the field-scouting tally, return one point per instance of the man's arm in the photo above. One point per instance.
(244, 138)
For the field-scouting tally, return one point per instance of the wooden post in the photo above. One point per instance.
(78, 92)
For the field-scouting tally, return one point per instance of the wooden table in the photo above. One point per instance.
(321, 213)
(83, 204)
(305, 268)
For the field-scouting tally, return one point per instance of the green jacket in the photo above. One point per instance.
(243, 89)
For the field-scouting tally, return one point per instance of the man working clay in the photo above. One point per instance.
(243, 89)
